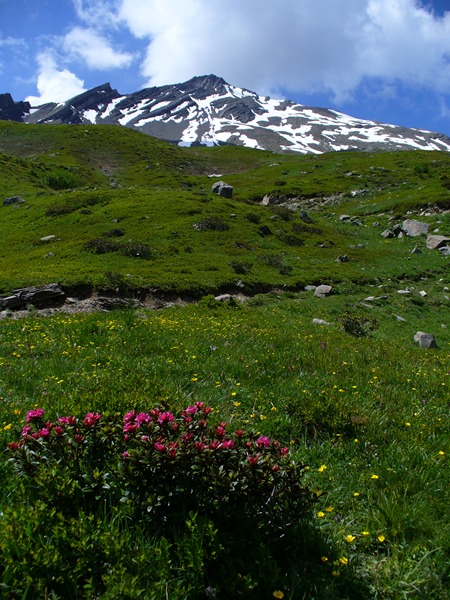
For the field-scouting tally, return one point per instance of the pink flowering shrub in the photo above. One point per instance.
(162, 467)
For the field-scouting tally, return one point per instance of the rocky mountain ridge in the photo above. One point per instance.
(206, 110)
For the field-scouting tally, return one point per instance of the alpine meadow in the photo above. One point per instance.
(206, 395)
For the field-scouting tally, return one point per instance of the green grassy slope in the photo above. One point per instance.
(122, 203)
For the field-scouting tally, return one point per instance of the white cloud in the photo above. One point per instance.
(301, 46)
(53, 84)
(94, 50)
(100, 14)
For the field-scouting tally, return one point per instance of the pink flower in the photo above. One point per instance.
(160, 447)
(220, 431)
(263, 442)
(214, 444)
(91, 419)
(239, 433)
(125, 455)
(58, 430)
(199, 446)
(78, 438)
(129, 427)
(165, 418)
(143, 418)
(35, 414)
(129, 416)
(44, 433)
(284, 451)
(228, 444)
(14, 445)
(67, 420)
(26, 431)
(253, 460)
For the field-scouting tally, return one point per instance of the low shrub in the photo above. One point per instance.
(192, 496)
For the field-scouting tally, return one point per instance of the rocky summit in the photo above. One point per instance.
(208, 111)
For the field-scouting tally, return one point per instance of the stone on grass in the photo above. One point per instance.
(437, 241)
(320, 322)
(322, 291)
(425, 340)
(414, 228)
(13, 200)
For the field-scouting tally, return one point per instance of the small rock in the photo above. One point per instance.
(223, 298)
(320, 322)
(387, 233)
(414, 228)
(322, 291)
(400, 319)
(13, 200)
(425, 340)
(422, 293)
(344, 218)
(310, 288)
(48, 238)
(404, 292)
(437, 241)
(416, 250)
(305, 217)
(342, 259)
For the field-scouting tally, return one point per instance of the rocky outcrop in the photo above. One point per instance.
(12, 111)
(38, 297)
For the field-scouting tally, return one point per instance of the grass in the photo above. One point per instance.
(365, 409)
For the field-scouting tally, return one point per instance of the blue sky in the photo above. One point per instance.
(385, 60)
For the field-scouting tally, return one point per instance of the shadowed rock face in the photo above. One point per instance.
(207, 110)
(12, 111)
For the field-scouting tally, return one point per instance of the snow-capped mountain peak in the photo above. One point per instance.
(206, 110)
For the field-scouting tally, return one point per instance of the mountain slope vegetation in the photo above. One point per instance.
(111, 200)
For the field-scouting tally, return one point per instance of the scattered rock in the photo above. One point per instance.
(222, 189)
(445, 250)
(414, 228)
(343, 259)
(310, 288)
(13, 200)
(305, 217)
(400, 319)
(416, 250)
(344, 218)
(320, 322)
(23, 297)
(47, 238)
(437, 241)
(387, 233)
(223, 298)
(425, 340)
(423, 293)
(404, 292)
(322, 291)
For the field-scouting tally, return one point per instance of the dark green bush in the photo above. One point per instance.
(357, 325)
(153, 504)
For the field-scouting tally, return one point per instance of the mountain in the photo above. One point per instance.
(207, 110)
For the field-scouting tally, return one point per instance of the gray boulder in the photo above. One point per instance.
(414, 228)
(425, 340)
(322, 291)
(23, 297)
(437, 241)
(222, 189)
(13, 200)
